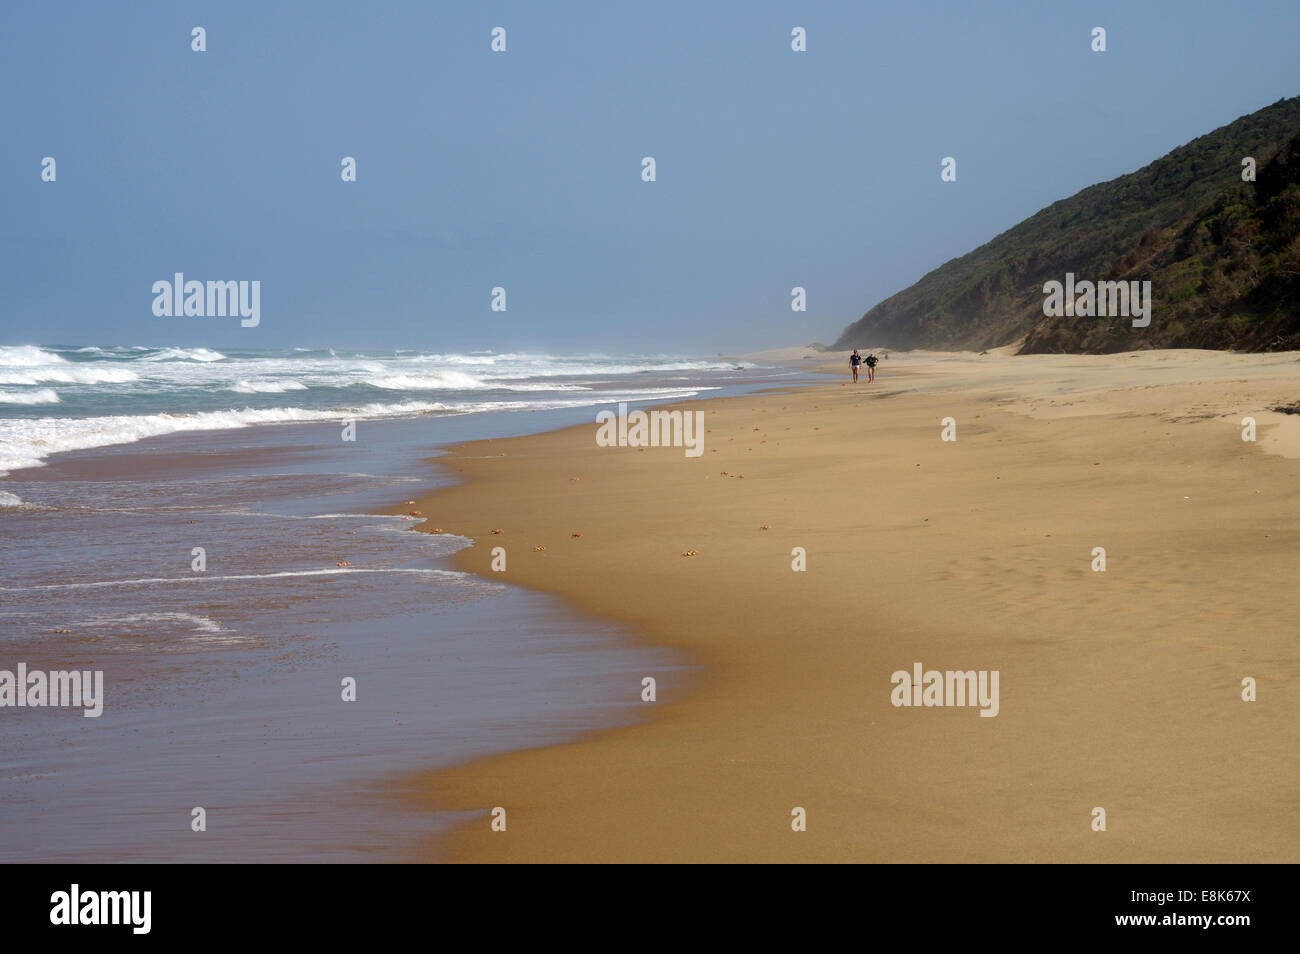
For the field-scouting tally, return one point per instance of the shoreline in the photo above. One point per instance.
(227, 682)
(912, 556)
(302, 585)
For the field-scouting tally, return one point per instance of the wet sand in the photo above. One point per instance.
(1118, 689)
(223, 688)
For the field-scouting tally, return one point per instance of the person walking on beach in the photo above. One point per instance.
(872, 361)
(855, 361)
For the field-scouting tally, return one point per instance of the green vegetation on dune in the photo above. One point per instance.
(1222, 256)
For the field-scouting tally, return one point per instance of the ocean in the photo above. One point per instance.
(223, 672)
(56, 399)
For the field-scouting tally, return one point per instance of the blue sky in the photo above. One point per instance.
(523, 169)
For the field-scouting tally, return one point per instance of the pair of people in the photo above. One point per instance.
(856, 361)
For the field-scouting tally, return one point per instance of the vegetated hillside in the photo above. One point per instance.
(1222, 256)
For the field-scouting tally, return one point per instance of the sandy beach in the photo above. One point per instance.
(1119, 689)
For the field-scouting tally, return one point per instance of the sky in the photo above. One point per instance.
(523, 169)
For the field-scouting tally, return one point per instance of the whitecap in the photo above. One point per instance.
(25, 356)
(185, 354)
(266, 387)
(68, 373)
(40, 396)
(26, 442)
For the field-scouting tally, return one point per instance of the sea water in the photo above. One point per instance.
(224, 685)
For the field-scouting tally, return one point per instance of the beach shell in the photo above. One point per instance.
(498, 531)
(691, 553)
(539, 548)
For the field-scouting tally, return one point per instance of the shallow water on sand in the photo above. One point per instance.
(223, 686)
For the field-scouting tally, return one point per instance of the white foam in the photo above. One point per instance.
(523, 365)
(161, 370)
(185, 354)
(165, 390)
(69, 373)
(18, 356)
(205, 578)
(27, 442)
(200, 624)
(459, 381)
(267, 387)
(40, 396)
(445, 380)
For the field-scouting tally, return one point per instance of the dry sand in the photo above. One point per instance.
(1118, 689)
